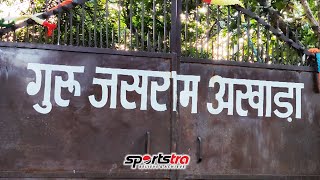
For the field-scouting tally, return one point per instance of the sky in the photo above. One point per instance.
(14, 9)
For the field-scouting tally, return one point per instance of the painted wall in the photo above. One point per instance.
(79, 111)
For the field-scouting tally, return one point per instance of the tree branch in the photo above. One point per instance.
(276, 20)
(310, 16)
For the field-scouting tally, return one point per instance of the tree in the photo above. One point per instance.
(300, 15)
(145, 25)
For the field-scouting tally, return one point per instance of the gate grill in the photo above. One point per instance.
(206, 32)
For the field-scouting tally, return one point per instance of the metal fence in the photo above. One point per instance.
(119, 24)
(202, 30)
(228, 33)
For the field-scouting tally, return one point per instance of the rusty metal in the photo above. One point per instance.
(93, 142)
(243, 147)
(79, 141)
(83, 142)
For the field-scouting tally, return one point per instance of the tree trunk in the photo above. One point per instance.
(276, 19)
(310, 16)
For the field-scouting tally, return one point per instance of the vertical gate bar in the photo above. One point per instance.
(288, 46)
(131, 25)
(46, 31)
(233, 52)
(238, 35)
(175, 48)
(27, 38)
(169, 41)
(197, 28)
(273, 54)
(33, 25)
(276, 51)
(95, 23)
(77, 33)
(186, 26)
(107, 36)
(89, 40)
(262, 59)
(119, 22)
(101, 36)
(112, 38)
(259, 58)
(218, 39)
(190, 46)
(277, 46)
(201, 47)
(148, 41)
(40, 34)
(142, 26)
(228, 34)
(107, 25)
(232, 40)
(59, 23)
(201, 35)
(292, 56)
(165, 26)
(52, 38)
(248, 40)
(208, 30)
(40, 30)
(14, 35)
(65, 37)
(159, 42)
(125, 39)
(296, 54)
(177, 34)
(243, 50)
(154, 25)
(281, 52)
(268, 41)
(303, 59)
(137, 40)
(212, 48)
(71, 26)
(221, 44)
(82, 24)
(281, 49)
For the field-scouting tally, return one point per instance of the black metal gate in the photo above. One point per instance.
(84, 142)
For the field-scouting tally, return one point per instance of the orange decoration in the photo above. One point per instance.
(50, 27)
(64, 3)
(314, 50)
